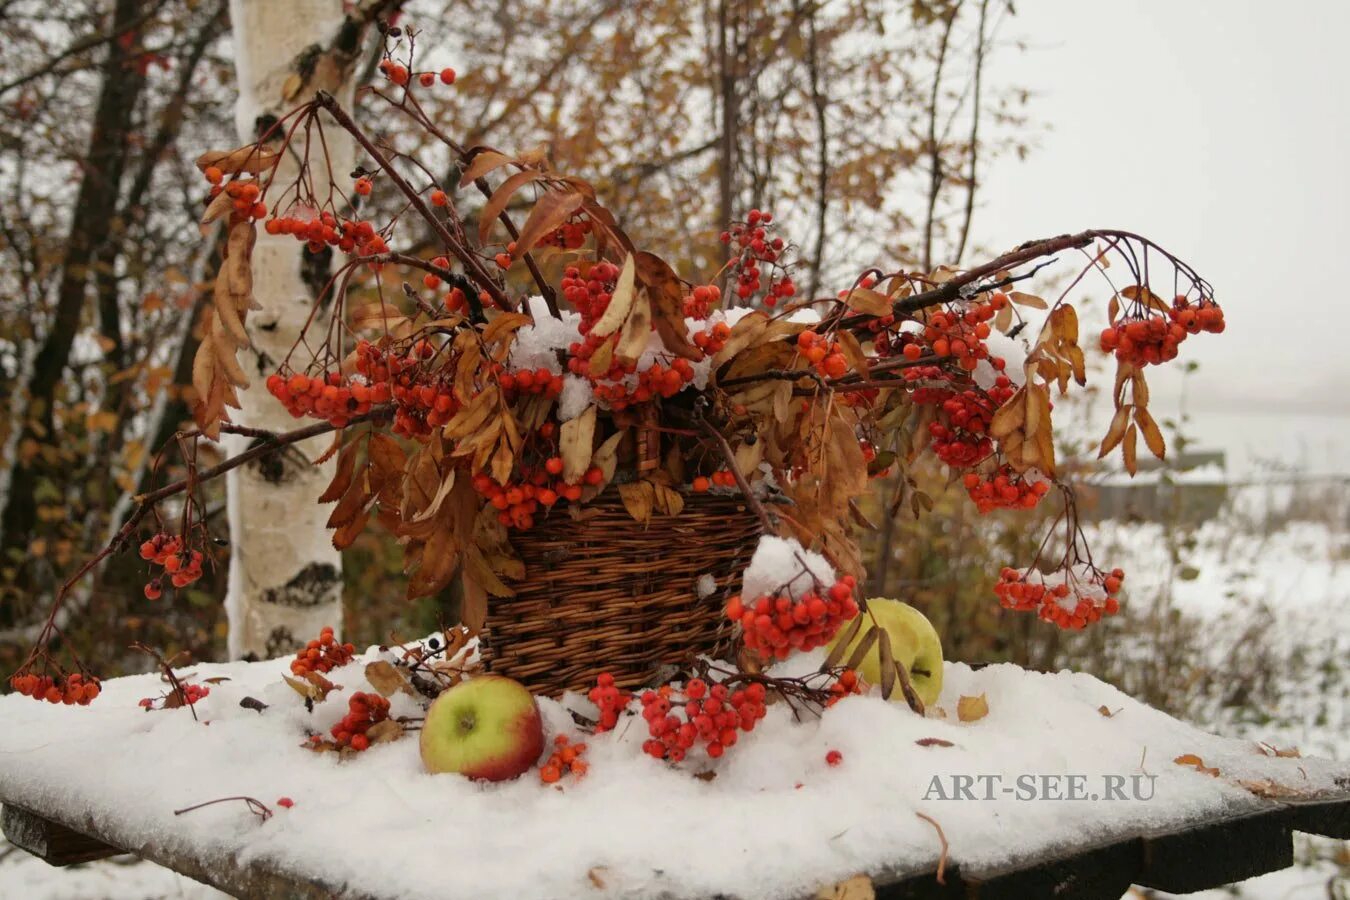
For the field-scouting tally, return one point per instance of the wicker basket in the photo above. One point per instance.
(607, 595)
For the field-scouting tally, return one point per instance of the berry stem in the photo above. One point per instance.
(729, 456)
(471, 263)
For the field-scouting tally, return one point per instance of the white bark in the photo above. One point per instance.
(285, 580)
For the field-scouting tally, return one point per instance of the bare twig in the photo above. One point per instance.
(942, 857)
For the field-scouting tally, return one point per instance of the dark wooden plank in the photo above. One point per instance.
(1206, 855)
(49, 841)
(1328, 818)
(923, 886)
(1100, 872)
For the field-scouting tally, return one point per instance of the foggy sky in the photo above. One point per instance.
(1220, 129)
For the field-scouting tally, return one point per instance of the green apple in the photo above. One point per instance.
(914, 643)
(487, 727)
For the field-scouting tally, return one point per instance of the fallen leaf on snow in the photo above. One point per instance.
(972, 709)
(1195, 762)
(934, 742)
(859, 887)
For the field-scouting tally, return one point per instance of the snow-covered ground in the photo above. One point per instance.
(775, 821)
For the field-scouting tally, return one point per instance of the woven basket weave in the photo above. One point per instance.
(607, 595)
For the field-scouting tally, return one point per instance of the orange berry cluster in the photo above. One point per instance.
(566, 758)
(324, 654)
(400, 75)
(677, 719)
(1071, 603)
(243, 193)
(363, 710)
(847, 684)
(775, 626)
(1152, 339)
(720, 478)
(181, 565)
(701, 300)
(712, 340)
(333, 397)
(754, 247)
(825, 355)
(191, 694)
(955, 334)
(72, 690)
(355, 236)
(1004, 489)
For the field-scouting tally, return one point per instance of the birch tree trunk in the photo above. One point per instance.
(285, 578)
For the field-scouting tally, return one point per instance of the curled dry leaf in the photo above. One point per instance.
(384, 731)
(312, 686)
(1192, 761)
(666, 296)
(620, 301)
(972, 709)
(253, 159)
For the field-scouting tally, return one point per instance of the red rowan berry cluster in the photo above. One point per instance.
(530, 381)
(517, 503)
(188, 695)
(721, 478)
(701, 301)
(182, 566)
(566, 758)
(956, 333)
(960, 435)
(353, 236)
(589, 291)
(847, 684)
(712, 340)
(1154, 338)
(1005, 488)
(590, 294)
(775, 626)
(1070, 598)
(332, 397)
(610, 699)
(663, 381)
(754, 248)
(324, 654)
(72, 690)
(677, 719)
(363, 711)
(570, 235)
(400, 75)
(825, 355)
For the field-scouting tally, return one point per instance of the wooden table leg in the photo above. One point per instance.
(53, 843)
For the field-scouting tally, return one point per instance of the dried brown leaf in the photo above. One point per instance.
(972, 709)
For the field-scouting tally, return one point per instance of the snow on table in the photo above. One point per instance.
(775, 821)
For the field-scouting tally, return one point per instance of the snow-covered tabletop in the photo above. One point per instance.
(773, 820)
